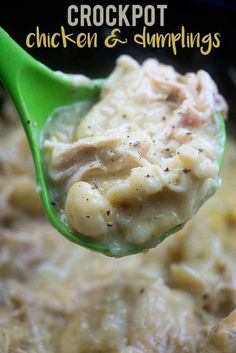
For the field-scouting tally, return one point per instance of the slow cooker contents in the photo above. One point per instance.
(143, 159)
(56, 297)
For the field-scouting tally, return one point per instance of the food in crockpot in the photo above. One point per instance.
(60, 298)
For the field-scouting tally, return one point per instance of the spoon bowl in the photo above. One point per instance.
(37, 91)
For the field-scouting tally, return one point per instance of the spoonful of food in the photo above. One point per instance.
(122, 163)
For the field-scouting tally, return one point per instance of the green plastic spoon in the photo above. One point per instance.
(37, 91)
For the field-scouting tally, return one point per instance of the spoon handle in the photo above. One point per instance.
(36, 89)
(12, 60)
(16, 69)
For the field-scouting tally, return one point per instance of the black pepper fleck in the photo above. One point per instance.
(137, 143)
(87, 216)
(200, 150)
(109, 224)
(205, 307)
(167, 170)
(108, 212)
(186, 170)
(148, 176)
(205, 296)
(53, 203)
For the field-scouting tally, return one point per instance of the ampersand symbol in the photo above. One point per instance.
(112, 40)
